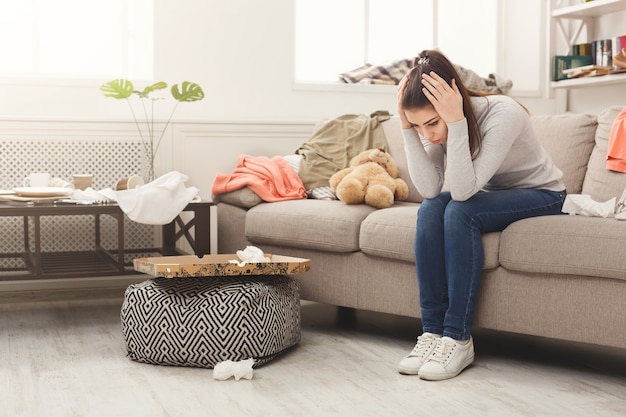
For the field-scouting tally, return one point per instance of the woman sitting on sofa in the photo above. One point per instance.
(496, 172)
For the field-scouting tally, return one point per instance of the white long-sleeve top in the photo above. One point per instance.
(511, 155)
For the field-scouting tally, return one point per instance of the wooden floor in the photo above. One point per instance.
(64, 355)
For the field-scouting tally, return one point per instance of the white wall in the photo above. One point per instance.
(240, 51)
(244, 56)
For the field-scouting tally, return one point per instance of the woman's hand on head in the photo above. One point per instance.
(446, 99)
(401, 89)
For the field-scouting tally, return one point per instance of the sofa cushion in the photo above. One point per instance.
(600, 183)
(568, 139)
(328, 225)
(568, 245)
(390, 233)
(395, 147)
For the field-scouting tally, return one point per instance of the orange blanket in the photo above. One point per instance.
(271, 179)
(616, 155)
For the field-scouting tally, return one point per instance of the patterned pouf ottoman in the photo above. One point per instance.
(203, 321)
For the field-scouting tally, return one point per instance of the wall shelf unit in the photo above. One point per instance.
(570, 23)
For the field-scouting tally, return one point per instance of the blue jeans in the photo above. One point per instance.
(449, 250)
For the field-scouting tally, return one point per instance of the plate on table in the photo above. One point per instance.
(42, 191)
(6, 192)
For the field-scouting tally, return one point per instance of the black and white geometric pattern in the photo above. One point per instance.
(202, 321)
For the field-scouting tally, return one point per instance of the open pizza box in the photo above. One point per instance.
(218, 266)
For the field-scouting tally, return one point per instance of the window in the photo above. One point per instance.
(335, 36)
(76, 38)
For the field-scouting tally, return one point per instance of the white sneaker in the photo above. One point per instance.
(425, 345)
(448, 360)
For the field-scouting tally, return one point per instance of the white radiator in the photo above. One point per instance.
(106, 160)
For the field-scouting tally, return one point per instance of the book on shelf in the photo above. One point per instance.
(562, 63)
(582, 49)
(619, 44)
(604, 52)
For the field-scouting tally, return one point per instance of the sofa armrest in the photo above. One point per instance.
(231, 228)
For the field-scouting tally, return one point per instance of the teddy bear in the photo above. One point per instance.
(371, 177)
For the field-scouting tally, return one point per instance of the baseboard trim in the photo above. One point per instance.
(121, 281)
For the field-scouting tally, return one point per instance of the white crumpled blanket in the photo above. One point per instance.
(157, 202)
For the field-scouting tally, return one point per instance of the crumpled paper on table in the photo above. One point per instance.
(239, 369)
(251, 254)
(583, 205)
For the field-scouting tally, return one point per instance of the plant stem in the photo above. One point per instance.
(152, 149)
(136, 122)
(147, 145)
(166, 125)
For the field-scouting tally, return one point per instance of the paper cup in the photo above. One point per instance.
(82, 181)
(129, 183)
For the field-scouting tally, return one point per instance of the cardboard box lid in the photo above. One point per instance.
(218, 266)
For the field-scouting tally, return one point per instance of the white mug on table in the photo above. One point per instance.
(37, 179)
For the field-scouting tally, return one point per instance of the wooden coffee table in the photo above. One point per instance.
(100, 261)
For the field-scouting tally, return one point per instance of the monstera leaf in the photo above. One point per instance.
(151, 138)
(188, 93)
(119, 88)
(149, 89)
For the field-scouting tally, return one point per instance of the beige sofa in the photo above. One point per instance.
(560, 277)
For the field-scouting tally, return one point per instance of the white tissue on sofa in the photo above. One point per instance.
(583, 204)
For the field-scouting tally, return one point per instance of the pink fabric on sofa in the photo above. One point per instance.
(271, 179)
(616, 156)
